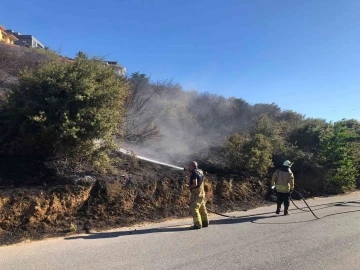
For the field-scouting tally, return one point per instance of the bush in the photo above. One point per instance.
(338, 157)
(307, 135)
(344, 176)
(326, 155)
(253, 154)
(62, 108)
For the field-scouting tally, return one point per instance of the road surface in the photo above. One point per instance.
(256, 239)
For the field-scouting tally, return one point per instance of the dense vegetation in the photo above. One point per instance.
(60, 109)
(63, 109)
(230, 134)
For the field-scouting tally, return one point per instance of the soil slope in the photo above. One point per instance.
(44, 203)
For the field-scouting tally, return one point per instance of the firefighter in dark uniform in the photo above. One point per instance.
(197, 199)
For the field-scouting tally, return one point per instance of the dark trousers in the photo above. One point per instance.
(283, 198)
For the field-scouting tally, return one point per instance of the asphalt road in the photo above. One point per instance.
(256, 239)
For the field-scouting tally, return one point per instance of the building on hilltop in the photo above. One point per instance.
(26, 40)
(6, 37)
(119, 69)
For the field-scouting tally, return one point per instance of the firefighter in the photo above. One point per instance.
(197, 199)
(283, 180)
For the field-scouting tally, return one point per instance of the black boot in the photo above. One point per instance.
(278, 208)
(286, 210)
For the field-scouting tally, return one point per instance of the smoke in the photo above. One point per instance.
(191, 125)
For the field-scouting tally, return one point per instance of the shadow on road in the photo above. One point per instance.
(238, 220)
(282, 223)
(102, 235)
(225, 221)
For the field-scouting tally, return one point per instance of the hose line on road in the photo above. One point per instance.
(223, 215)
(297, 192)
(301, 196)
(219, 214)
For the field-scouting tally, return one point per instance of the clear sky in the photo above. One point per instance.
(303, 55)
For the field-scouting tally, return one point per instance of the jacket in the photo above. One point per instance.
(199, 190)
(283, 179)
(196, 175)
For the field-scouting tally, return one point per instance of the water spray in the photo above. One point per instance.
(126, 152)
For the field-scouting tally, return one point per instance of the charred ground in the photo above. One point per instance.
(57, 199)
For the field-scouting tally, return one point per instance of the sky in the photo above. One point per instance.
(302, 55)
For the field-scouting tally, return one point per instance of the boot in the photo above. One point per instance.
(286, 210)
(205, 224)
(278, 208)
(195, 227)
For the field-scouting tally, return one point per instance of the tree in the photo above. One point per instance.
(264, 124)
(307, 135)
(62, 109)
(272, 109)
(139, 122)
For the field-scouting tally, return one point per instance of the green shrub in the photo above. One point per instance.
(338, 157)
(234, 150)
(61, 108)
(344, 176)
(253, 154)
(307, 135)
(325, 153)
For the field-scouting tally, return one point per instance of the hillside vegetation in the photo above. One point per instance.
(230, 135)
(61, 123)
(58, 108)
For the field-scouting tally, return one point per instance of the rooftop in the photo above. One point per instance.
(9, 35)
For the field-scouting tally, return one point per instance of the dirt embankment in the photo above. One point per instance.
(144, 193)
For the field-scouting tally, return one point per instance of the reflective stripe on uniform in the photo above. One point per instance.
(282, 188)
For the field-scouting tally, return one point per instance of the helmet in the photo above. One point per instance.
(287, 163)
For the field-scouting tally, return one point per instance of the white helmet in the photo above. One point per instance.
(287, 163)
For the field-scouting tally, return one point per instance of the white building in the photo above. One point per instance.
(120, 69)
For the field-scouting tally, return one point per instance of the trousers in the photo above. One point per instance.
(283, 198)
(198, 208)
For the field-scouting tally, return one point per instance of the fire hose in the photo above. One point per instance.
(301, 209)
(301, 196)
(219, 214)
(222, 215)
